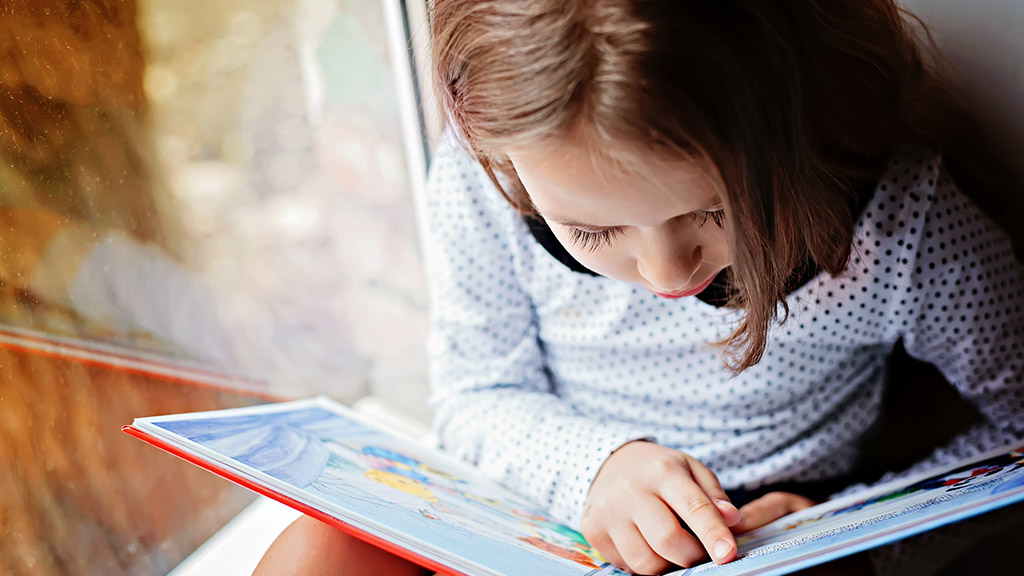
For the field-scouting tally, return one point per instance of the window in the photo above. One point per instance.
(205, 204)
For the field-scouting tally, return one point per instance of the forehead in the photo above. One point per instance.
(612, 185)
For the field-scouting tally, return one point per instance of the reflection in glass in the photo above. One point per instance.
(191, 193)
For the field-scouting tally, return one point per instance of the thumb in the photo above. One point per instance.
(769, 508)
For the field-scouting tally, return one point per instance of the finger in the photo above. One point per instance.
(612, 555)
(769, 508)
(730, 514)
(698, 511)
(660, 527)
(602, 542)
(638, 556)
(709, 482)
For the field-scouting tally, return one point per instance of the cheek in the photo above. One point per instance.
(716, 243)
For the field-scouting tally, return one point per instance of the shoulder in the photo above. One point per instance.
(908, 185)
(460, 200)
(453, 171)
(919, 223)
(464, 216)
(458, 183)
(914, 200)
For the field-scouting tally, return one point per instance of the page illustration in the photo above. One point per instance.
(364, 475)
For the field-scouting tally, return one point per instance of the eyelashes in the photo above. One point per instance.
(701, 218)
(591, 241)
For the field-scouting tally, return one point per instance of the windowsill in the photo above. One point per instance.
(238, 547)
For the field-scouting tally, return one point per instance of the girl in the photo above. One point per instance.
(673, 243)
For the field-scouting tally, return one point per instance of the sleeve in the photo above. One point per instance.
(966, 291)
(134, 287)
(109, 279)
(34, 238)
(493, 402)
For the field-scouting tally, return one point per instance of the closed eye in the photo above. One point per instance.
(591, 241)
(701, 217)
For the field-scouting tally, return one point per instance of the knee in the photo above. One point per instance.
(309, 547)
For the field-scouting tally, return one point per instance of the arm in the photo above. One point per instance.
(494, 403)
(42, 251)
(111, 280)
(969, 322)
(967, 316)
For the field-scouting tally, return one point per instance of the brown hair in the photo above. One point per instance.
(796, 102)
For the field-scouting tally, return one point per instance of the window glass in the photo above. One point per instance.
(204, 205)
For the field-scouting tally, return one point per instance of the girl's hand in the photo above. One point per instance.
(769, 508)
(632, 513)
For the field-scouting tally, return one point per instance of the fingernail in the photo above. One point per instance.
(721, 550)
(726, 503)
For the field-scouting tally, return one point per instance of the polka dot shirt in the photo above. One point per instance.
(538, 372)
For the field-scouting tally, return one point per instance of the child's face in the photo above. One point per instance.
(661, 226)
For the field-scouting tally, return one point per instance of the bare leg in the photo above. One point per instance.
(309, 547)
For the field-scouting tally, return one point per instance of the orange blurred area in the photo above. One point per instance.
(77, 496)
(81, 497)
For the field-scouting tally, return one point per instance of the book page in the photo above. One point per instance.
(321, 454)
(876, 517)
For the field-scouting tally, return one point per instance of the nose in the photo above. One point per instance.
(669, 266)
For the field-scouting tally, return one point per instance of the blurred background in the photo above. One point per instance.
(235, 168)
(211, 203)
(205, 205)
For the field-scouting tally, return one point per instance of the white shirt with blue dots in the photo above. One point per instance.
(538, 373)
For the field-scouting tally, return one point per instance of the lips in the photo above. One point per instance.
(686, 293)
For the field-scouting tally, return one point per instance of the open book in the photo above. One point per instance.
(325, 460)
